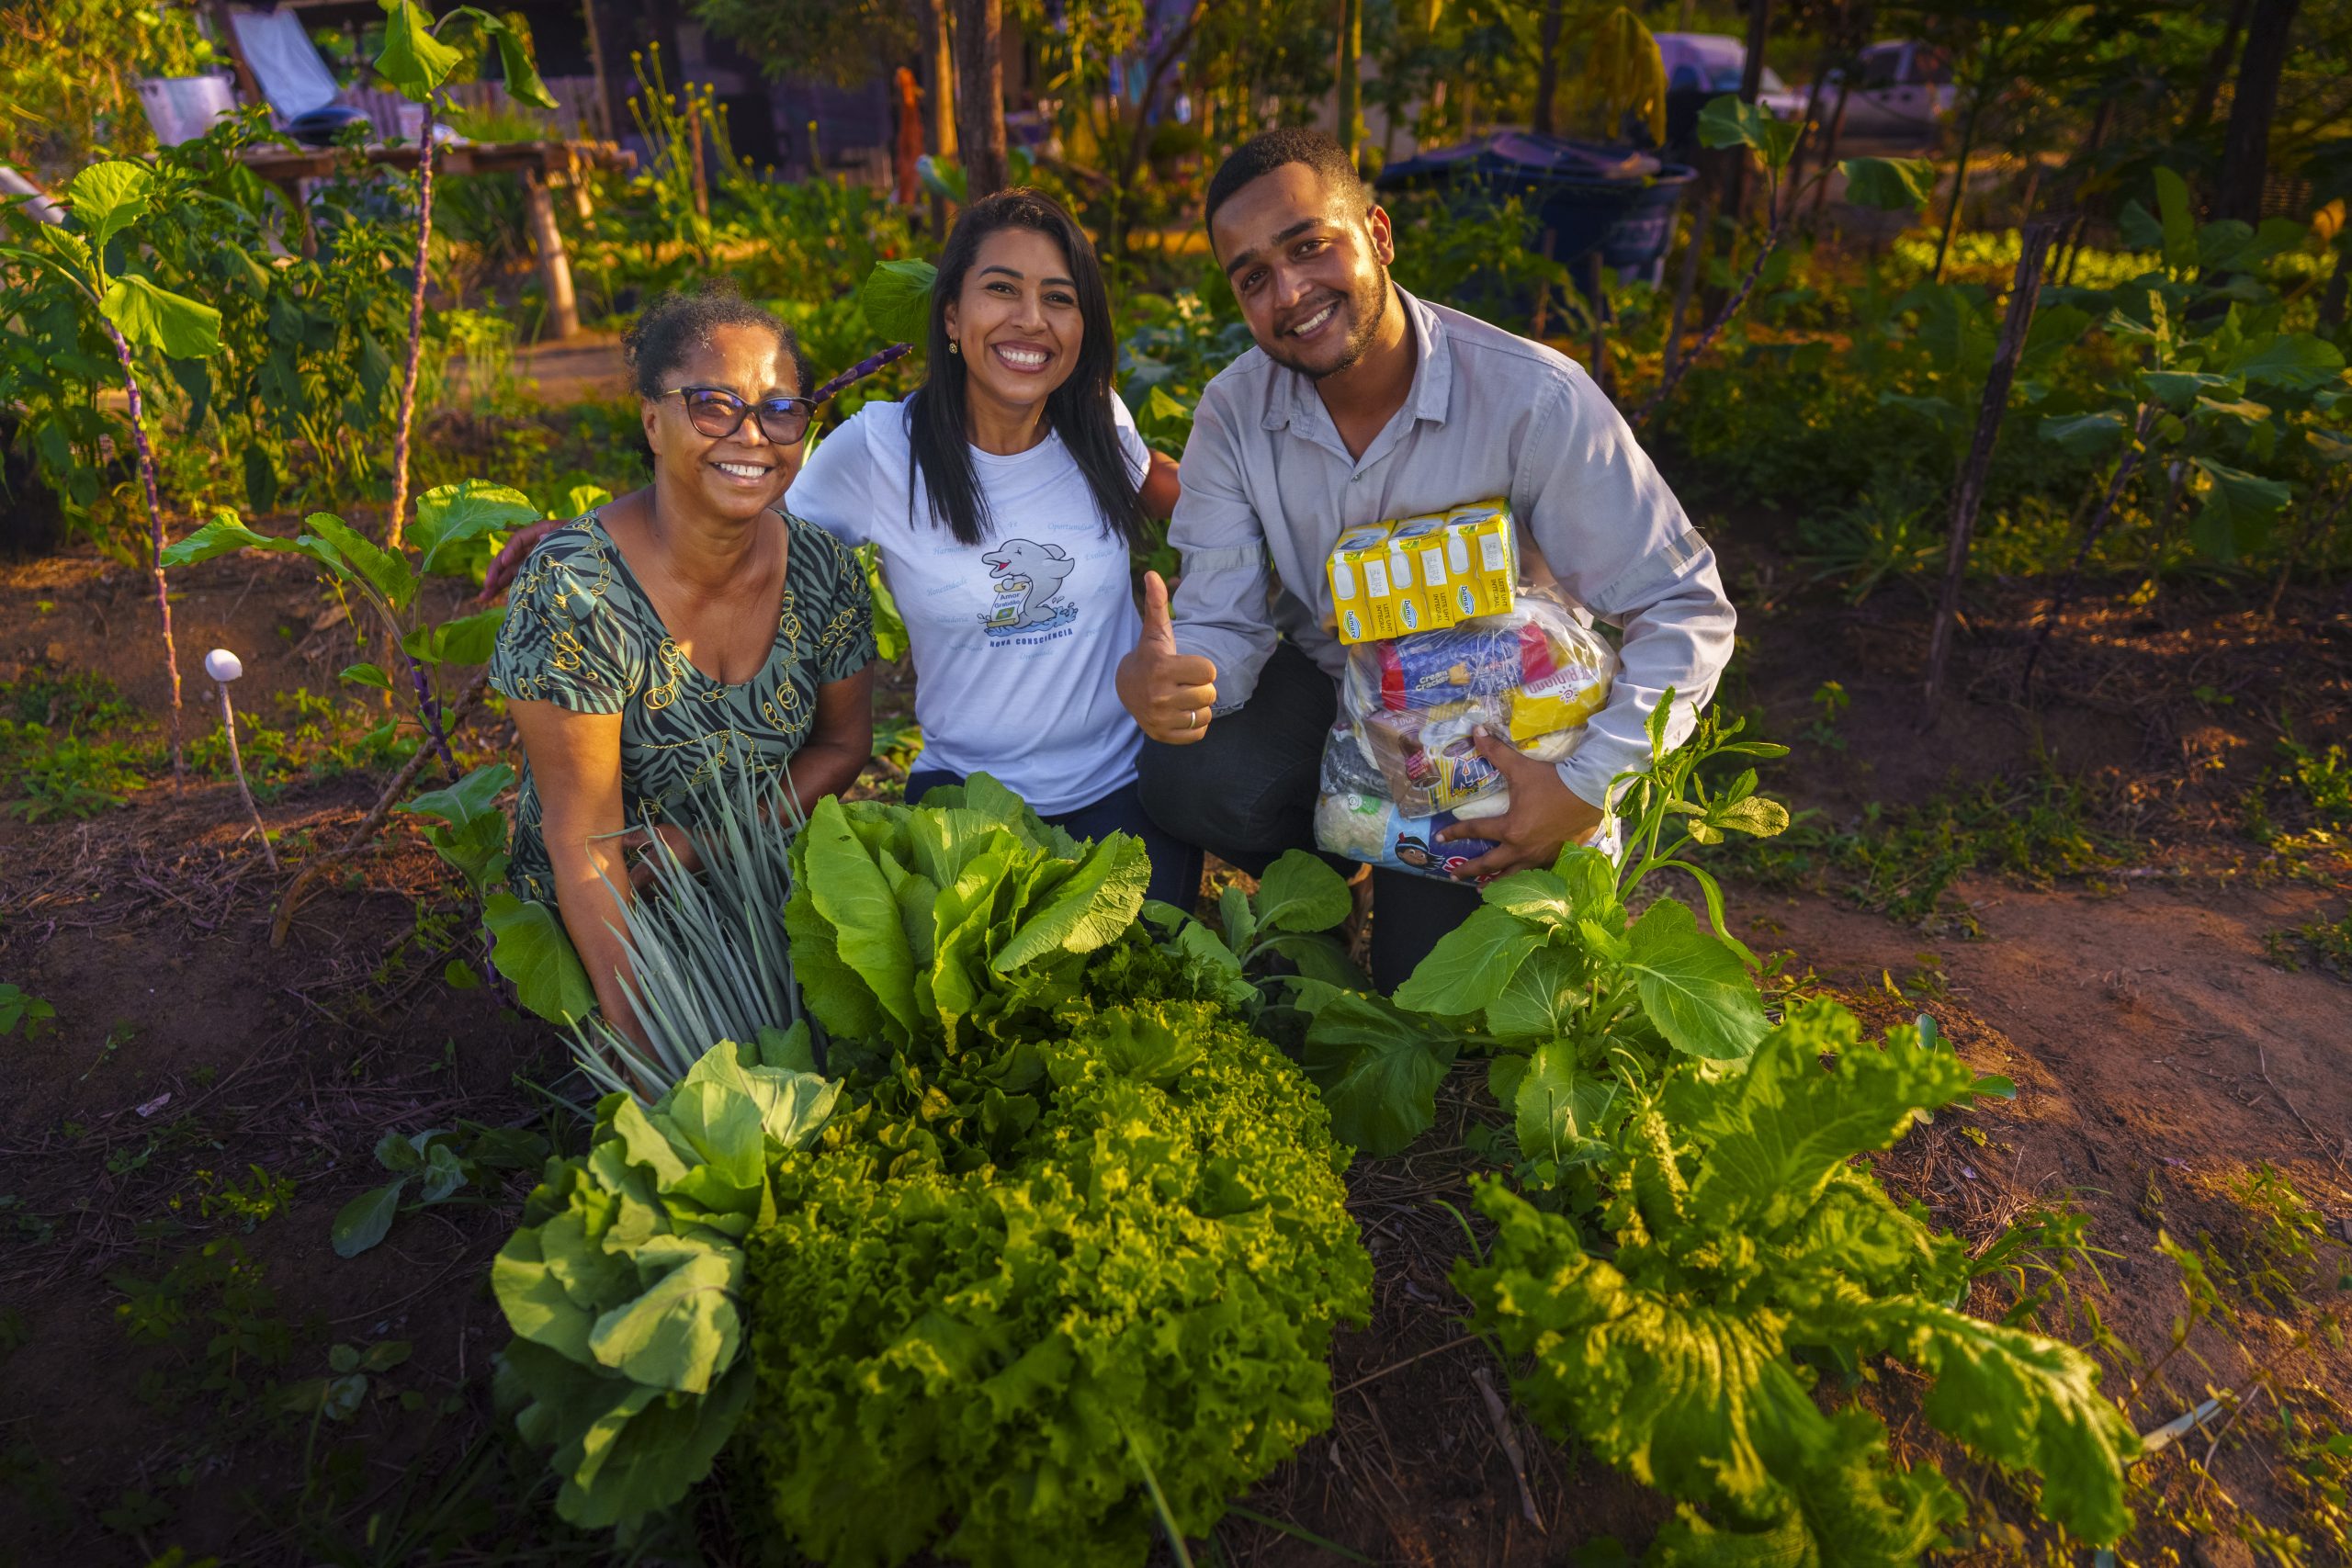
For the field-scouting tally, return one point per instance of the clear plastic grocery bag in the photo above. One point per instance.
(1402, 762)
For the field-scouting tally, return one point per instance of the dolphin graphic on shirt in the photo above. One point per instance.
(1045, 566)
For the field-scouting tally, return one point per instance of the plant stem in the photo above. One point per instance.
(1960, 169)
(407, 414)
(1731, 307)
(1969, 493)
(137, 411)
(428, 708)
(237, 765)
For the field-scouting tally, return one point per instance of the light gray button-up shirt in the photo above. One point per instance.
(1489, 414)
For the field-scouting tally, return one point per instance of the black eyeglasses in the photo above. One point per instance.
(719, 414)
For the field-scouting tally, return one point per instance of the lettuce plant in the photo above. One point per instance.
(624, 1285)
(917, 926)
(989, 1359)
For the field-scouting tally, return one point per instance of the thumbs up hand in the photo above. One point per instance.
(1168, 693)
(1545, 814)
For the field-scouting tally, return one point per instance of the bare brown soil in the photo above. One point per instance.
(2159, 1051)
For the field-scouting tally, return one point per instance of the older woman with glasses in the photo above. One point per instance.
(667, 639)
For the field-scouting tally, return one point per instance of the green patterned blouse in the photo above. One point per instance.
(581, 633)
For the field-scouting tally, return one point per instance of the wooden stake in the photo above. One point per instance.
(1969, 493)
(555, 266)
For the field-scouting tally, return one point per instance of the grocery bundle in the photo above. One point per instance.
(1441, 642)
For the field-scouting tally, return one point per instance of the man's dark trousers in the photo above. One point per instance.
(1245, 792)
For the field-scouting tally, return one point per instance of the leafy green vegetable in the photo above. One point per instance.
(1378, 1069)
(624, 1287)
(1743, 1239)
(532, 951)
(908, 922)
(971, 1356)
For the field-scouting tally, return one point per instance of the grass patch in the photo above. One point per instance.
(1902, 861)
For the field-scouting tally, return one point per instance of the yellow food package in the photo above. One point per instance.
(1478, 548)
(1427, 602)
(1564, 699)
(1363, 600)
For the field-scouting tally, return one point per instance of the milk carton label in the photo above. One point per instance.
(1483, 532)
(1362, 587)
(1423, 540)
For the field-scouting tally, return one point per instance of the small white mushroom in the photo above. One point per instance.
(224, 667)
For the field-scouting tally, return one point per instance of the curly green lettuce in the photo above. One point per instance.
(984, 1361)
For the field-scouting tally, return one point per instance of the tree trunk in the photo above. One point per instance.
(137, 411)
(939, 83)
(2217, 66)
(1171, 49)
(980, 93)
(2245, 150)
(1350, 96)
(1547, 72)
(1969, 493)
(405, 419)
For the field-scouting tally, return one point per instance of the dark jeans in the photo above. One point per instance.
(1245, 792)
(1175, 865)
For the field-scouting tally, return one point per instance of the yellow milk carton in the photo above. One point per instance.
(1479, 557)
(1363, 597)
(1422, 543)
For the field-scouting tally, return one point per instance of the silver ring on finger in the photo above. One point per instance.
(1190, 715)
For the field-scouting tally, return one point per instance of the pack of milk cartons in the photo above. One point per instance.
(1443, 641)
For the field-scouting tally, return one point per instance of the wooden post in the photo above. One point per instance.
(1969, 493)
(555, 266)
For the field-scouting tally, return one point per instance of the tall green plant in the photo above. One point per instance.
(707, 959)
(416, 63)
(96, 262)
(2223, 381)
(1894, 185)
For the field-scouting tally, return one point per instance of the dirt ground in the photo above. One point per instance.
(152, 1397)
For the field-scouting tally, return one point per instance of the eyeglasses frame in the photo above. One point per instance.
(749, 409)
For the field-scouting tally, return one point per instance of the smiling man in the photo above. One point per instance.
(1362, 403)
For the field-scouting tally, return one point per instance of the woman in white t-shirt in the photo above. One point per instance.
(1004, 495)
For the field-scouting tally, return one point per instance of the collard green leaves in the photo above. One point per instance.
(1379, 1067)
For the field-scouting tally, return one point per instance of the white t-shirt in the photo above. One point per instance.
(1016, 642)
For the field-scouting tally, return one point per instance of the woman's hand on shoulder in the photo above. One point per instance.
(511, 557)
(1160, 487)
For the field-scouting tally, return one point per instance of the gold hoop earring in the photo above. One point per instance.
(954, 347)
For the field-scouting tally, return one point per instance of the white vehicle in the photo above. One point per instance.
(1903, 91)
